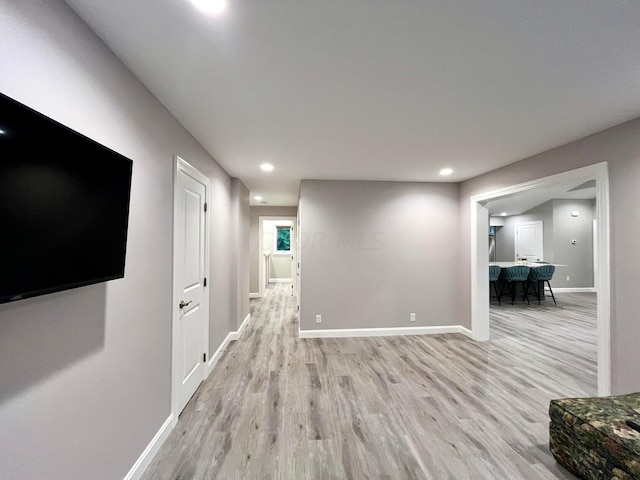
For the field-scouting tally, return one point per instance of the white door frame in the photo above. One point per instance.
(595, 254)
(480, 259)
(294, 258)
(182, 166)
(298, 259)
(516, 239)
(261, 272)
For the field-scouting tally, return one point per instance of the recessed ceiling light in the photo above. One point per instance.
(257, 197)
(210, 7)
(503, 214)
(445, 172)
(2, 132)
(267, 167)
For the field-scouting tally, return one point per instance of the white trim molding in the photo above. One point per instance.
(225, 343)
(479, 216)
(254, 295)
(236, 335)
(218, 353)
(279, 280)
(573, 290)
(145, 459)
(384, 332)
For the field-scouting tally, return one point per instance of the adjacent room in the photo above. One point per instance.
(253, 239)
(552, 228)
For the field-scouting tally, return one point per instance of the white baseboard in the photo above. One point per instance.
(573, 290)
(152, 449)
(465, 331)
(216, 356)
(384, 332)
(236, 335)
(254, 295)
(279, 280)
(225, 343)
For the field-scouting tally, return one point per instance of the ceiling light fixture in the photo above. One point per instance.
(266, 167)
(257, 197)
(2, 132)
(503, 214)
(210, 7)
(445, 172)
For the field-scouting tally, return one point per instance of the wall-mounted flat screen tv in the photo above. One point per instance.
(64, 206)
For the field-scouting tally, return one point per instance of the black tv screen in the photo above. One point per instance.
(64, 206)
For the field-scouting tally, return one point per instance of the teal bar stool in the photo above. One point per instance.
(494, 274)
(514, 275)
(539, 275)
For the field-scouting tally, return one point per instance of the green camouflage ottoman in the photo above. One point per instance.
(597, 438)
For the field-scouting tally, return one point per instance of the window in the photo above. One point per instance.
(282, 240)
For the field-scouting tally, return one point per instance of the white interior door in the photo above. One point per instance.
(529, 241)
(191, 305)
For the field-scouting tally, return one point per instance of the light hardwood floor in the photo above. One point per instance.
(417, 407)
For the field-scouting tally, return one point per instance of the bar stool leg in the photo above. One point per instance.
(552, 295)
(525, 293)
(495, 288)
(505, 284)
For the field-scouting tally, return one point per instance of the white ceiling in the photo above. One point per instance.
(522, 202)
(379, 89)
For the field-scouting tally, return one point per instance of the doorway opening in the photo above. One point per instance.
(277, 252)
(480, 319)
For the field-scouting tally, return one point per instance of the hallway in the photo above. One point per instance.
(415, 407)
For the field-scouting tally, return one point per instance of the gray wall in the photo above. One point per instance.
(254, 235)
(240, 230)
(578, 258)
(374, 252)
(559, 229)
(620, 147)
(280, 267)
(85, 375)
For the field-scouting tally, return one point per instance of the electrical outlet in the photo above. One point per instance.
(318, 318)
(413, 317)
(568, 278)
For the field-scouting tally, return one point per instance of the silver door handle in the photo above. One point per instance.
(183, 304)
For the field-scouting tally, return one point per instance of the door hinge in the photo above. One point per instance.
(204, 357)
(205, 206)
(205, 281)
